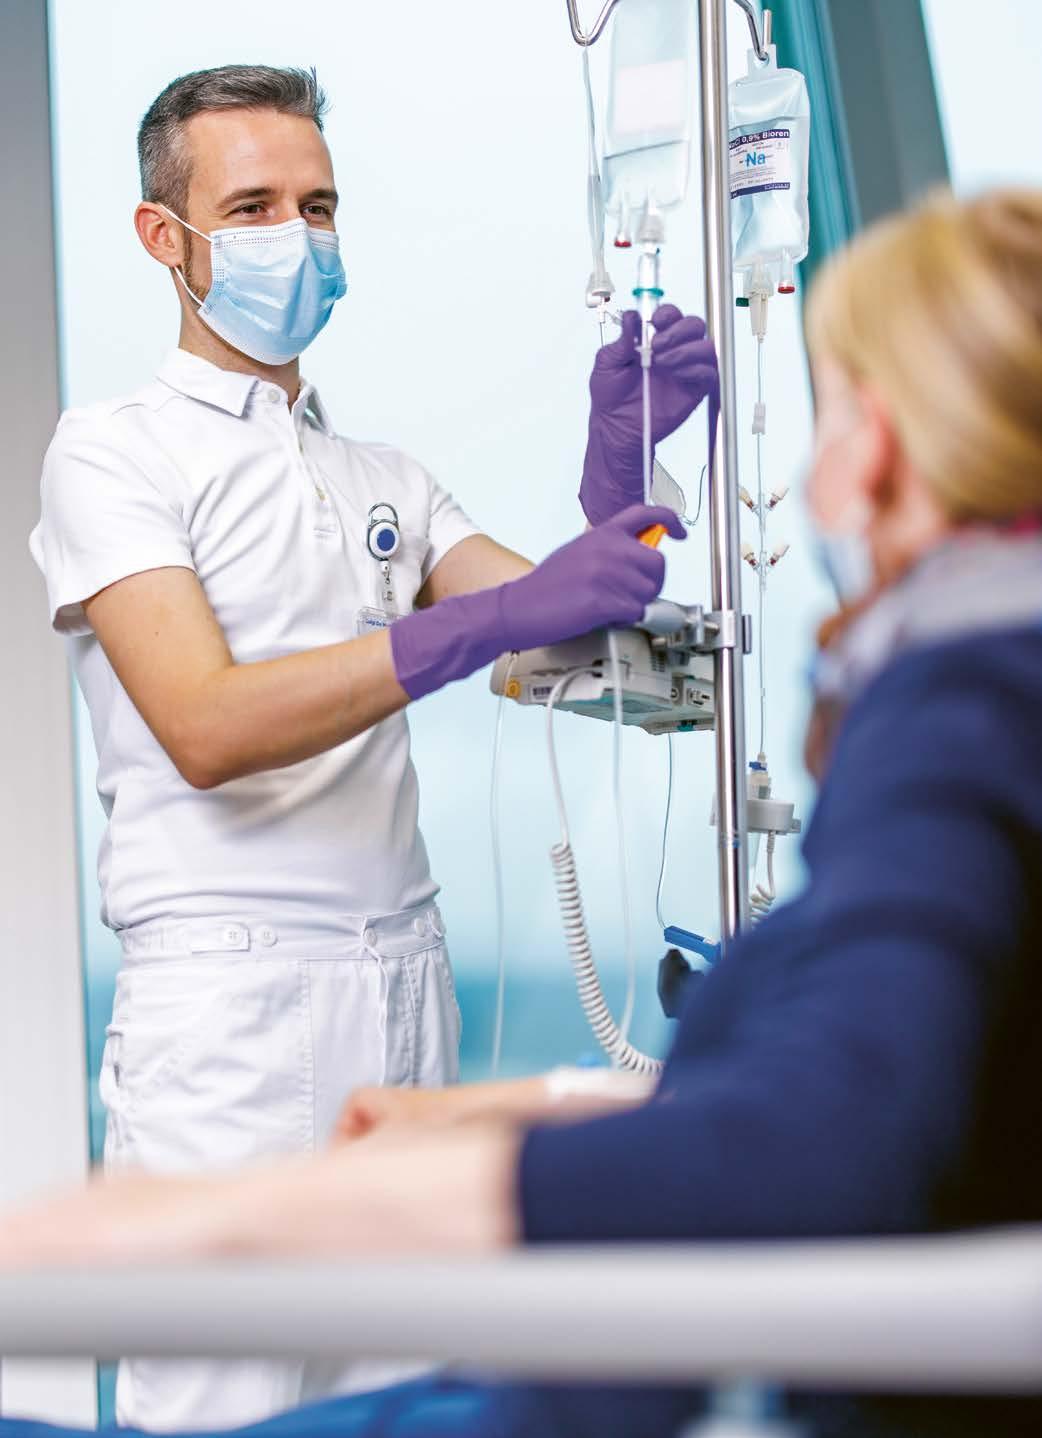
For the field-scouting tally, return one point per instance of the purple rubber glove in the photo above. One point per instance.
(606, 577)
(683, 373)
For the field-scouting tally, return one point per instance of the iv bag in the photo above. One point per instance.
(647, 143)
(769, 121)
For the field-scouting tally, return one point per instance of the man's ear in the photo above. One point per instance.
(161, 236)
(879, 448)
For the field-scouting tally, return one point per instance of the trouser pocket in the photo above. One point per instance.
(208, 1064)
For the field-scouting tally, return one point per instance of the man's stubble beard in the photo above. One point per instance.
(187, 270)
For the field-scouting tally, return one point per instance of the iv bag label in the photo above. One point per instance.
(760, 161)
(650, 99)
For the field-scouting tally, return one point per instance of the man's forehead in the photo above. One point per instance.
(255, 148)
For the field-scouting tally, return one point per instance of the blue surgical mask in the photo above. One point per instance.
(273, 286)
(846, 555)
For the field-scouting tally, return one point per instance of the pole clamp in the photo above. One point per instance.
(728, 629)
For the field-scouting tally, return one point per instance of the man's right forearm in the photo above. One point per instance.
(219, 719)
(266, 715)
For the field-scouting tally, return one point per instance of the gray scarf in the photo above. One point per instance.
(978, 582)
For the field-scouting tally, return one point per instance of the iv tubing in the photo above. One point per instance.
(595, 207)
(761, 514)
(620, 837)
(497, 876)
(569, 897)
(665, 838)
(764, 895)
(646, 444)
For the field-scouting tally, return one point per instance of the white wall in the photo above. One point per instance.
(43, 1105)
(988, 67)
(457, 134)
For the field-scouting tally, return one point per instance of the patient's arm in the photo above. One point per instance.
(561, 1094)
(402, 1191)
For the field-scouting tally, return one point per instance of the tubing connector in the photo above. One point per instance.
(759, 287)
(599, 289)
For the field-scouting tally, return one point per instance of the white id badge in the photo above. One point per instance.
(370, 620)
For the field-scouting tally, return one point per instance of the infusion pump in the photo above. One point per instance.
(665, 667)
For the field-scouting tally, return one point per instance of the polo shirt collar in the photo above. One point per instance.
(197, 378)
(312, 404)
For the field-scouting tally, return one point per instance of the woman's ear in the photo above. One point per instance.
(879, 450)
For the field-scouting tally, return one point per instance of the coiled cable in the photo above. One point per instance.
(608, 1034)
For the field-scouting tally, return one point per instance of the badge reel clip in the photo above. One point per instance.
(383, 539)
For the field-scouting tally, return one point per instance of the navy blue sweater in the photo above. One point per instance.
(868, 1060)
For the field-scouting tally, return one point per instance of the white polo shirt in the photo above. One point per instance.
(210, 470)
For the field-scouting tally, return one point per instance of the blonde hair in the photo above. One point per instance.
(940, 312)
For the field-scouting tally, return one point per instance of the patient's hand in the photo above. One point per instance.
(561, 1095)
(375, 1108)
(371, 1108)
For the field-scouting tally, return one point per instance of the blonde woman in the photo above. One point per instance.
(866, 1061)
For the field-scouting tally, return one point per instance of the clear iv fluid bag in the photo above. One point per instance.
(647, 140)
(769, 122)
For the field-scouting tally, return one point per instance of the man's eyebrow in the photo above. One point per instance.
(265, 192)
(252, 192)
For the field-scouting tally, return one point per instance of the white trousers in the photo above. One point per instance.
(234, 1039)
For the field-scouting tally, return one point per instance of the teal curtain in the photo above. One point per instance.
(803, 35)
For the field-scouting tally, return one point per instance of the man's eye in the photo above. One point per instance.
(251, 209)
(323, 211)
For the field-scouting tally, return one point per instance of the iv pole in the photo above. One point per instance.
(724, 543)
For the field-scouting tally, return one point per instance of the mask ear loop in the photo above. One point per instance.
(177, 268)
(188, 291)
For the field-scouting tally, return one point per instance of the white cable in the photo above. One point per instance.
(497, 876)
(620, 837)
(555, 774)
(577, 938)
(665, 839)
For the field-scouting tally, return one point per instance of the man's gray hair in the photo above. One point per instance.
(162, 153)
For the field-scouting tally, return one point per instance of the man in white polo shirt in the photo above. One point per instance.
(251, 600)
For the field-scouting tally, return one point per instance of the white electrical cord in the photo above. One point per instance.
(497, 876)
(577, 937)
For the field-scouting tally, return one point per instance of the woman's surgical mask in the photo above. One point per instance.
(272, 288)
(846, 555)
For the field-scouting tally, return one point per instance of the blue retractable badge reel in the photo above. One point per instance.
(383, 536)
